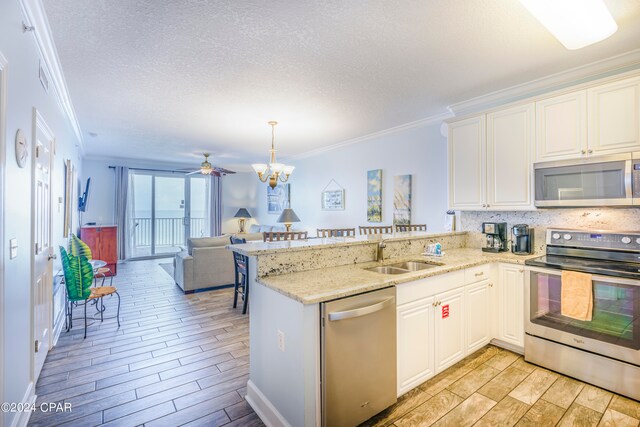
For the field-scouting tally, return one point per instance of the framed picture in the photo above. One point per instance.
(402, 200)
(333, 200)
(69, 197)
(374, 195)
(278, 198)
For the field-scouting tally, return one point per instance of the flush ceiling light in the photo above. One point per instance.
(575, 23)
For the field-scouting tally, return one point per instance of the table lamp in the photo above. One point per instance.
(288, 216)
(242, 216)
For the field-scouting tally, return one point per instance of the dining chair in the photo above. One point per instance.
(276, 236)
(375, 229)
(241, 286)
(410, 227)
(79, 248)
(335, 232)
(78, 278)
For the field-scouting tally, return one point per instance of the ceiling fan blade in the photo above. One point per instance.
(194, 172)
(223, 170)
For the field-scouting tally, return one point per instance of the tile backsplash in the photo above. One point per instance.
(627, 219)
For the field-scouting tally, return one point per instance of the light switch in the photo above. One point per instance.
(13, 248)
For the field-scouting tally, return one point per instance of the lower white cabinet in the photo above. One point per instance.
(449, 328)
(511, 304)
(478, 315)
(415, 343)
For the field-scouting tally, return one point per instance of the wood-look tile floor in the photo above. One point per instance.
(495, 387)
(176, 359)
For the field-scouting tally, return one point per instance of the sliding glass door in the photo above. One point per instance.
(166, 209)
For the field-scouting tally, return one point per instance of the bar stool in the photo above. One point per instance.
(241, 263)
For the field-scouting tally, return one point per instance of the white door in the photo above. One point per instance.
(415, 343)
(561, 127)
(511, 304)
(510, 136)
(449, 328)
(614, 117)
(478, 312)
(467, 164)
(42, 289)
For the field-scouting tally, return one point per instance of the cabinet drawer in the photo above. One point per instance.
(476, 274)
(423, 288)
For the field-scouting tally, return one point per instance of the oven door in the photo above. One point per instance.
(614, 330)
(594, 181)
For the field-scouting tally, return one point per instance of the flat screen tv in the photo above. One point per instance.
(82, 201)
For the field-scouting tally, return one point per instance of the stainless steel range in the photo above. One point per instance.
(605, 350)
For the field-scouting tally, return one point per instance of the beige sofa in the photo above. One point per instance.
(206, 263)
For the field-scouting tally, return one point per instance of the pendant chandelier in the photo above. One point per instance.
(274, 171)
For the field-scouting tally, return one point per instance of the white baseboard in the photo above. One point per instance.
(265, 409)
(507, 346)
(21, 419)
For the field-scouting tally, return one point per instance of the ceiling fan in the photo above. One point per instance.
(207, 168)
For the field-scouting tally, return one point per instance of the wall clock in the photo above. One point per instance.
(22, 149)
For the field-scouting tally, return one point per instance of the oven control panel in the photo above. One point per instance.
(620, 240)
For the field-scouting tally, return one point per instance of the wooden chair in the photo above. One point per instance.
(375, 229)
(335, 232)
(411, 227)
(276, 236)
(241, 287)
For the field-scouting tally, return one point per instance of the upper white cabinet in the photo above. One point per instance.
(561, 126)
(467, 164)
(614, 117)
(490, 160)
(510, 137)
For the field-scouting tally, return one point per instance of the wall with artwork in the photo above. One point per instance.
(419, 153)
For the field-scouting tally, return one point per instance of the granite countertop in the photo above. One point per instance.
(262, 248)
(315, 286)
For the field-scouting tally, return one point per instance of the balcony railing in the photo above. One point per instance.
(169, 231)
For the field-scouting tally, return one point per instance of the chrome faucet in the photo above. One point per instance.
(380, 252)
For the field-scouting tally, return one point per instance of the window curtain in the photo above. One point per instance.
(122, 190)
(213, 205)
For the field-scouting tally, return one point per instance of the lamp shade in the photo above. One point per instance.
(288, 216)
(242, 213)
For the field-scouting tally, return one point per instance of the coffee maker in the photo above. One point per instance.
(521, 239)
(496, 236)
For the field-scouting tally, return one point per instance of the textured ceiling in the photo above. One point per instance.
(168, 79)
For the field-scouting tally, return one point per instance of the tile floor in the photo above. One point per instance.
(183, 360)
(176, 359)
(494, 387)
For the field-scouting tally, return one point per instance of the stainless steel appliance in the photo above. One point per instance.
(604, 351)
(521, 239)
(358, 365)
(592, 181)
(495, 236)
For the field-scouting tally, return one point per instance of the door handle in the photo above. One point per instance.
(52, 256)
(358, 312)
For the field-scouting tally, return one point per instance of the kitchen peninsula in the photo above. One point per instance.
(481, 293)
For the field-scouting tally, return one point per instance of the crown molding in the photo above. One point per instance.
(438, 118)
(599, 69)
(36, 16)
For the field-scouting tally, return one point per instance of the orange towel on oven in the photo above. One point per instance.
(576, 295)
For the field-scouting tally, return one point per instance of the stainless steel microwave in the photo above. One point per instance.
(612, 180)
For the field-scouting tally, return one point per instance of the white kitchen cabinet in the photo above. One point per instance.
(449, 327)
(467, 164)
(510, 139)
(614, 117)
(561, 127)
(415, 343)
(478, 315)
(511, 304)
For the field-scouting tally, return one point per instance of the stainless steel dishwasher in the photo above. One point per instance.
(358, 365)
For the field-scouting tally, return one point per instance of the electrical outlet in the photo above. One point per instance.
(281, 340)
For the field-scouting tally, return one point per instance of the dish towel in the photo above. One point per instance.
(577, 295)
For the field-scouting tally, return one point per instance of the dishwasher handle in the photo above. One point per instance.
(361, 311)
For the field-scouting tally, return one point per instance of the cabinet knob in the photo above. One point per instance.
(583, 151)
(590, 151)
(479, 274)
(521, 270)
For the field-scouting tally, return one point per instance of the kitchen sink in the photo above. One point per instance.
(415, 265)
(388, 270)
(404, 267)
